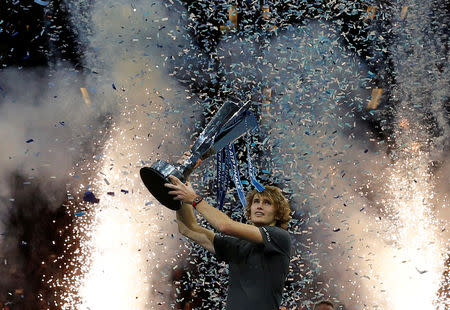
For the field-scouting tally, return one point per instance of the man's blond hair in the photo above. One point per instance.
(282, 213)
(323, 302)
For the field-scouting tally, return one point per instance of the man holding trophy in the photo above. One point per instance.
(258, 253)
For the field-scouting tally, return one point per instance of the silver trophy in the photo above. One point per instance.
(230, 122)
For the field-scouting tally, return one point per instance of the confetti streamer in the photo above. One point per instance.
(232, 20)
(85, 95)
(404, 12)
(371, 11)
(267, 17)
(40, 2)
(375, 100)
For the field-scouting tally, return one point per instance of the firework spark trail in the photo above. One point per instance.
(128, 248)
(124, 239)
(411, 270)
(127, 241)
(412, 275)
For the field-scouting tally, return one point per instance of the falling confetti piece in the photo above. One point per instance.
(232, 17)
(85, 95)
(404, 12)
(421, 271)
(371, 10)
(90, 197)
(267, 94)
(375, 100)
(40, 2)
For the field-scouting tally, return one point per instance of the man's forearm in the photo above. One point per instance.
(186, 215)
(187, 225)
(215, 217)
(186, 193)
(227, 226)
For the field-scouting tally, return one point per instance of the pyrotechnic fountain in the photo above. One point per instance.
(126, 255)
(419, 248)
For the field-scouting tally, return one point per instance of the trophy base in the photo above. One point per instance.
(154, 180)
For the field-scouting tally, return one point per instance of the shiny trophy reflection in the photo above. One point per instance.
(229, 123)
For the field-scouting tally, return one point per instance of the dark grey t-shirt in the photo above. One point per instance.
(257, 271)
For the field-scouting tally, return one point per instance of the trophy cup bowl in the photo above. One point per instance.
(229, 123)
(155, 177)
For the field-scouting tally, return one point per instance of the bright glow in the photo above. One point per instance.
(126, 235)
(411, 269)
(117, 275)
(127, 240)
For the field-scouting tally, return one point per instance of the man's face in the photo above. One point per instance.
(325, 307)
(262, 211)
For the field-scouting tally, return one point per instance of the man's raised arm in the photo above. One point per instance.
(187, 225)
(218, 219)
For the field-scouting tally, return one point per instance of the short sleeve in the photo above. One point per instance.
(276, 239)
(226, 247)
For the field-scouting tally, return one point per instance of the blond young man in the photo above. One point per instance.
(258, 254)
